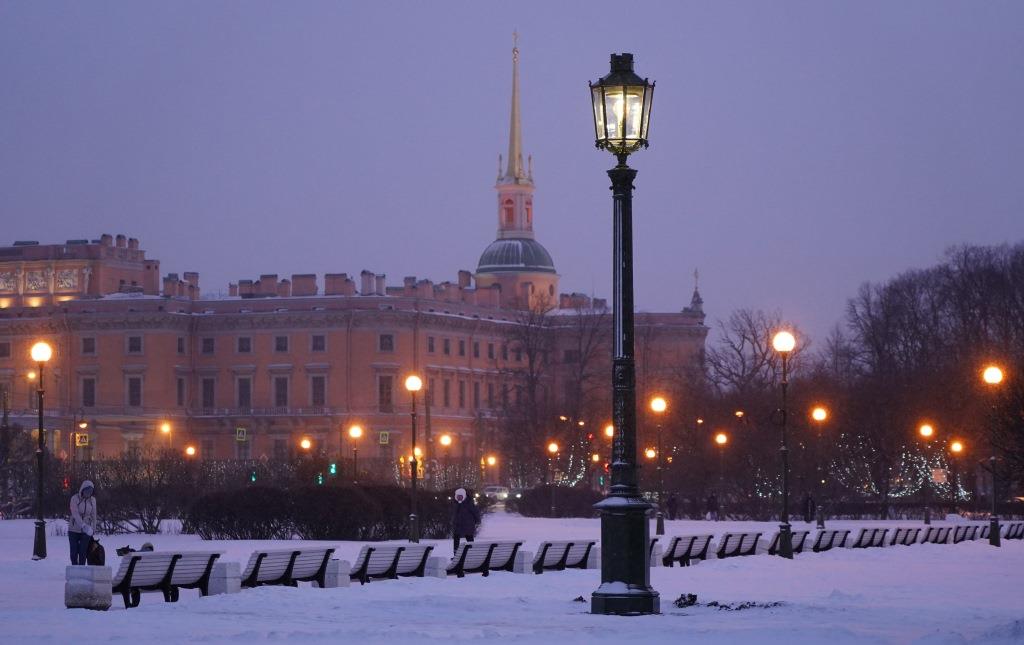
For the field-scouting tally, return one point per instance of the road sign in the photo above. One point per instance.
(385, 438)
(81, 439)
(240, 434)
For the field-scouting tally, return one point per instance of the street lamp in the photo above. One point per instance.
(956, 448)
(721, 439)
(413, 384)
(306, 444)
(658, 407)
(165, 428)
(819, 414)
(927, 431)
(355, 432)
(784, 343)
(41, 352)
(993, 377)
(621, 103)
(190, 451)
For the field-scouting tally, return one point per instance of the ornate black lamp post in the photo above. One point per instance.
(784, 343)
(820, 415)
(993, 376)
(41, 353)
(622, 110)
(414, 384)
(354, 433)
(658, 406)
(927, 432)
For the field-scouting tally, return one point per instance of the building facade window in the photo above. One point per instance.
(518, 353)
(446, 346)
(208, 346)
(476, 395)
(430, 391)
(476, 349)
(244, 345)
(318, 343)
(490, 395)
(430, 344)
(462, 347)
(88, 392)
(243, 392)
(5, 349)
(88, 347)
(209, 389)
(318, 391)
(490, 350)
(446, 398)
(385, 385)
(462, 394)
(280, 343)
(135, 344)
(181, 344)
(504, 352)
(134, 399)
(386, 343)
(281, 391)
(181, 391)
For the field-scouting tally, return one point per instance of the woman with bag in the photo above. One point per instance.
(82, 523)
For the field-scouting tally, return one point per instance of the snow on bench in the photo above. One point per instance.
(287, 567)
(828, 539)
(732, 545)
(868, 538)
(484, 557)
(905, 536)
(798, 539)
(389, 561)
(965, 532)
(1014, 531)
(685, 548)
(563, 554)
(166, 572)
(937, 535)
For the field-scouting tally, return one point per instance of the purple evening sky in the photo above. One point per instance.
(798, 148)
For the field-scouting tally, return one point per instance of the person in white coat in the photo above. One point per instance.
(82, 522)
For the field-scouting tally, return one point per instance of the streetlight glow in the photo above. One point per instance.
(609, 431)
(658, 404)
(926, 430)
(41, 352)
(651, 453)
(305, 444)
(446, 440)
(595, 457)
(721, 438)
(784, 342)
(819, 413)
(31, 376)
(417, 452)
(739, 414)
(83, 425)
(553, 447)
(413, 383)
(355, 432)
(190, 451)
(164, 427)
(956, 447)
(992, 375)
(491, 460)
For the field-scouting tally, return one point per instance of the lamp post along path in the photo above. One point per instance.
(784, 343)
(413, 384)
(993, 376)
(621, 104)
(41, 353)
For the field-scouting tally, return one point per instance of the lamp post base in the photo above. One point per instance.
(993, 531)
(785, 541)
(821, 519)
(660, 524)
(625, 559)
(39, 544)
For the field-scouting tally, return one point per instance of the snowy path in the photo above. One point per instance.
(919, 594)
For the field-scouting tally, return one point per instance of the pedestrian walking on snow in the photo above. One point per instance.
(465, 517)
(82, 523)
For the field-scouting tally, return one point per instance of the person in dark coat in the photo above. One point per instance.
(673, 506)
(465, 517)
(713, 507)
(809, 507)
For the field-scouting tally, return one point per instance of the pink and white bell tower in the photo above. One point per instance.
(515, 180)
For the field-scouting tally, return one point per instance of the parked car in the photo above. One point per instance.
(499, 493)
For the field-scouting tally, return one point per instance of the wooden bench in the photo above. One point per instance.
(983, 530)
(562, 555)
(732, 545)
(484, 557)
(828, 539)
(390, 561)
(797, 539)
(686, 548)
(286, 567)
(965, 532)
(868, 538)
(937, 535)
(164, 571)
(905, 536)
(1014, 531)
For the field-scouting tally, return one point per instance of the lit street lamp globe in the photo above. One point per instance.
(956, 447)
(355, 432)
(413, 383)
(658, 404)
(992, 375)
(190, 451)
(609, 431)
(306, 444)
(41, 352)
(491, 460)
(926, 430)
(446, 440)
(784, 342)
(651, 453)
(819, 413)
(553, 447)
(721, 438)
(165, 428)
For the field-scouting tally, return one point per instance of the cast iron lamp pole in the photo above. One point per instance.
(820, 415)
(993, 376)
(621, 104)
(413, 384)
(927, 432)
(784, 342)
(658, 406)
(41, 352)
(354, 433)
(956, 449)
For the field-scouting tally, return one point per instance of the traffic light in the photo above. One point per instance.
(252, 476)
(320, 479)
(600, 480)
(66, 483)
(333, 468)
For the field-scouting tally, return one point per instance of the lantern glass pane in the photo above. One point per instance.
(648, 100)
(597, 95)
(624, 109)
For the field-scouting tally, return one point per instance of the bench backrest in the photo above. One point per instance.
(937, 534)
(905, 535)
(309, 561)
(574, 551)
(965, 532)
(150, 568)
(689, 547)
(830, 539)
(1015, 531)
(192, 566)
(797, 540)
(869, 537)
(473, 555)
(733, 544)
(413, 557)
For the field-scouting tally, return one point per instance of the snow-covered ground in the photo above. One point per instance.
(932, 594)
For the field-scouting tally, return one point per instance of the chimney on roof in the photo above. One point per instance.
(268, 284)
(232, 289)
(133, 244)
(245, 288)
(192, 277)
(365, 282)
(106, 239)
(303, 284)
(465, 279)
(121, 241)
(380, 288)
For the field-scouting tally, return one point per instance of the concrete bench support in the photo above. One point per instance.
(226, 577)
(336, 574)
(437, 567)
(87, 587)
